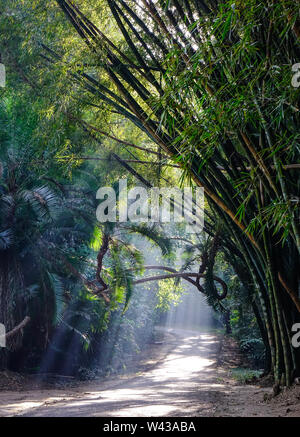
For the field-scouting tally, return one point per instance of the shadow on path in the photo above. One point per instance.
(183, 384)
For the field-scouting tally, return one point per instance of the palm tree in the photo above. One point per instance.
(39, 229)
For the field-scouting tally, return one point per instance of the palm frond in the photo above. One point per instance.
(6, 239)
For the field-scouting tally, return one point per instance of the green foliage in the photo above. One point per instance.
(244, 376)
(207, 84)
(169, 294)
(154, 234)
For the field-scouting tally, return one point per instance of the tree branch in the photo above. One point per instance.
(20, 326)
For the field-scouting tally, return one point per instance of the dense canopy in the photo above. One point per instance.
(166, 94)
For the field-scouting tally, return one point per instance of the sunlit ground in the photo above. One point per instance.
(181, 384)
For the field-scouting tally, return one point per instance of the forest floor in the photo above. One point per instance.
(188, 374)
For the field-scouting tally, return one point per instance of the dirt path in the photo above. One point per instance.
(182, 384)
(185, 381)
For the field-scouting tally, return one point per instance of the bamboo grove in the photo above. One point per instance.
(210, 83)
